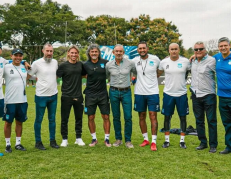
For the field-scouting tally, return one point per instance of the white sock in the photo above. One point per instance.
(94, 136)
(167, 138)
(107, 136)
(182, 138)
(154, 137)
(7, 141)
(145, 135)
(18, 140)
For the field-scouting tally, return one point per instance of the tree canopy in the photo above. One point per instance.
(28, 24)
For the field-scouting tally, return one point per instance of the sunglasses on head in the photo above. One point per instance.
(198, 49)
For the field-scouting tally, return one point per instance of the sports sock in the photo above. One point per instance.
(107, 136)
(167, 138)
(94, 136)
(182, 138)
(7, 141)
(154, 137)
(18, 140)
(145, 135)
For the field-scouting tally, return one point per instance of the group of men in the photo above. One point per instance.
(146, 67)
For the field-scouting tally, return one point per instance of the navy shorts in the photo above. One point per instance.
(144, 101)
(169, 103)
(91, 103)
(17, 111)
(1, 107)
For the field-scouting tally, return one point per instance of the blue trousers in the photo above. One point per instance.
(123, 97)
(41, 103)
(225, 112)
(201, 106)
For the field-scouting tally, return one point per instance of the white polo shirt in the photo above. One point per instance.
(2, 65)
(15, 77)
(147, 83)
(175, 71)
(46, 84)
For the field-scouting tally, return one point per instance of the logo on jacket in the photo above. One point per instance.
(102, 65)
(23, 70)
(179, 65)
(151, 63)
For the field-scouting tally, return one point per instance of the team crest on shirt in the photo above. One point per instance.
(179, 65)
(102, 65)
(11, 71)
(151, 63)
(1, 65)
(229, 62)
(23, 70)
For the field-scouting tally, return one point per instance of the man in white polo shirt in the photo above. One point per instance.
(147, 92)
(16, 105)
(175, 91)
(46, 94)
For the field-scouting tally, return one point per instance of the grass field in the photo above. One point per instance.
(103, 162)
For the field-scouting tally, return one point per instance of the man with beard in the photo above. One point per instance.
(147, 92)
(46, 94)
(175, 91)
(96, 93)
(71, 73)
(119, 71)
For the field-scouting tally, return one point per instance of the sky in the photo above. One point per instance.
(197, 20)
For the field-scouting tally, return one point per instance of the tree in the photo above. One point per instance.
(107, 30)
(28, 24)
(158, 34)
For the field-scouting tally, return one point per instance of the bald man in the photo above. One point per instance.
(175, 91)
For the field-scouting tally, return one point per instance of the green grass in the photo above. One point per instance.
(102, 162)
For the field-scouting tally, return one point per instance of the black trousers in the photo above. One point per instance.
(66, 104)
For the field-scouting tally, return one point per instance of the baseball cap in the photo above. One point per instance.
(16, 50)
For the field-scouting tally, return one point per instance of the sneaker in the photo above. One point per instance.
(107, 143)
(182, 145)
(166, 144)
(53, 144)
(129, 145)
(93, 143)
(153, 147)
(8, 149)
(117, 143)
(64, 143)
(39, 145)
(20, 147)
(80, 142)
(144, 143)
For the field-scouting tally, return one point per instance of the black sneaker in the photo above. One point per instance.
(53, 144)
(39, 145)
(166, 144)
(20, 147)
(182, 145)
(8, 149)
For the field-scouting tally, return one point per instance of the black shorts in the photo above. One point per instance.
(91, 103)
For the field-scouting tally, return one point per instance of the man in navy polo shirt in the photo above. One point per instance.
(223, 70)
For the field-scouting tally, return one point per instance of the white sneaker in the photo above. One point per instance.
(64, 143)
(80, 142)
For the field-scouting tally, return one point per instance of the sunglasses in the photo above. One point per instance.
(198, 49)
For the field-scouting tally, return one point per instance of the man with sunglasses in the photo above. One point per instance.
(223, 69)
(204, 100)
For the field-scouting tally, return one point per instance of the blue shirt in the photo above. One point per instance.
(223, 70)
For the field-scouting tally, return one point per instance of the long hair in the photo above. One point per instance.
(69, 49)
(91, 47)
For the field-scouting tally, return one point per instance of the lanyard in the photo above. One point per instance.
(143, 69)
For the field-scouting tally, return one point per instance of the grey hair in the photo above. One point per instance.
(91, 47)
(199, 43)
(224, 39)
(47, 45)
(118, 45)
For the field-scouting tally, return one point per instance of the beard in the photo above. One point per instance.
(48, 60)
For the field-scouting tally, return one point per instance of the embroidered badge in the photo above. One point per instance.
(1, 65)
(102, 65)
(23, 70)
(179, 65)
(151, 63)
